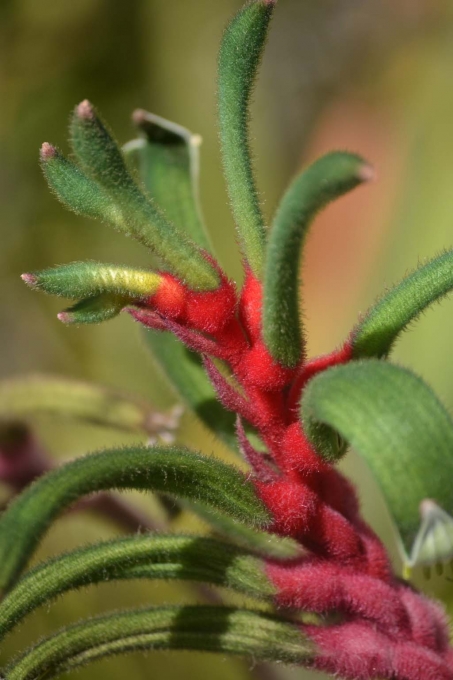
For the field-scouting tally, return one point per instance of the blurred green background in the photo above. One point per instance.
(370, 77)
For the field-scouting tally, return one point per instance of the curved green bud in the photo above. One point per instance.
(175, 471)
(325, 180)
(94, 309)
(239, 58)
(191, 558)
(76, 190)
(376, 333)
(168, 161)
(101, 158)
(85, 279)
(213, 629)
(397, 424)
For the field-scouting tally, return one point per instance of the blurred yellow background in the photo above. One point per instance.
(371, 77)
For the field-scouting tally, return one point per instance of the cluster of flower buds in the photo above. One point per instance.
(296, 537)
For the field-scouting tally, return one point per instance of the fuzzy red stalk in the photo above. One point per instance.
(383, 629)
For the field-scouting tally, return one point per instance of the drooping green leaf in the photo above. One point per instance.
(174, 471)
(23, 397)
(101, 158)
(168, 160)
(376, 333)
(239, 58)
(214, 629)
(394, 420)
(186, 374)
(85, 279)
(192, 558)
(325, 180)
(94, 309)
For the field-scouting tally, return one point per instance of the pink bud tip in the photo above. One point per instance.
(367, 173)
(428, 507)
(47, 152)
(64, 317)
(30, 280)
(139, 116)
(85, 110)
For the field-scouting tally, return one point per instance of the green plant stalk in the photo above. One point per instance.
(174, 471)
(189, 558)
(215, 629)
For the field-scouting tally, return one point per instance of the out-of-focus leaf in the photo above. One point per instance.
(23, 397)
(186, 374)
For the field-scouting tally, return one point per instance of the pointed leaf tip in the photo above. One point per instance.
(47, 152)
(64, 317)
(139, 117)
(85, 110)
(30, 279)
(366, 173)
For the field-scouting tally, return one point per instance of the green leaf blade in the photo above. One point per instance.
(175, 471)
(389, 317)
(325, 180)
(397, 424)
(191, 558)
(94, 309)
(85, 279)
(239, 59)
(214, 629)
(102, 160)
(76, 190)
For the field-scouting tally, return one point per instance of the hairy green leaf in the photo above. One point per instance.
(190, 558)
(84, 279)
(22, 397)
(328, 178)
(168, 159)
(240, 55)
(94, 309)
(186, 374)
(382, 324)
(76, 190)
(101, 158)
(214, 629)
(175, 471)
(394, 420)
